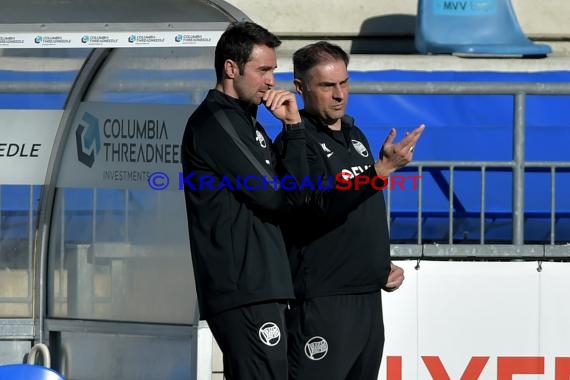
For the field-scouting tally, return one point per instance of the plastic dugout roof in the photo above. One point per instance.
(52, 51)
(112, 15)
(45, 43)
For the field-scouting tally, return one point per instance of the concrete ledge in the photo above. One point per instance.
(470, 252)
(545, 19)
(560, 61)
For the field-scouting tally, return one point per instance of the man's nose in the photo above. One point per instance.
(270, 79)
(337, 92)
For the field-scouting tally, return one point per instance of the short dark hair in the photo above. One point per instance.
(314, 54)
(236, 43)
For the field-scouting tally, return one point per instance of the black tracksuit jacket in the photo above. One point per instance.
(237, 248)
(339, 244)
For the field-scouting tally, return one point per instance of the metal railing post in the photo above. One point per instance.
(518, 169)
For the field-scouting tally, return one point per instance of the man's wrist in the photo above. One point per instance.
(382, 169)
(293, 126)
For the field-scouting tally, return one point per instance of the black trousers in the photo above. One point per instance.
(336, 338)
(253, 341)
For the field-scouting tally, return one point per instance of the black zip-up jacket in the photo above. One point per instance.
(339, 245)
(238, 252)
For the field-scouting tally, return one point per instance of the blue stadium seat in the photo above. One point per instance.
(476, 28)
(28, 372)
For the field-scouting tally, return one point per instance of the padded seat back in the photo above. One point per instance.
(28, 372)
(473, 28)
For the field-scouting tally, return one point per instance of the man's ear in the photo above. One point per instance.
(231, 69)
(298, 86)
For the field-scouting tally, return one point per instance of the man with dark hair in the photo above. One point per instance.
(240, 263)
(339, 248)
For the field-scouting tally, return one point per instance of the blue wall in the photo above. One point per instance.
(469, 127)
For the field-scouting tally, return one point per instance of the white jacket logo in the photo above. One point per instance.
(353, 171)
(316, 348)
(360, 148)
(269, 334)
(259, 138)
(326, 150)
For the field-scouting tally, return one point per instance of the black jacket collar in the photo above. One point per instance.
(226, 100)
(346, 125)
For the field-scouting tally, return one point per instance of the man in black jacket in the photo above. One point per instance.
(233, 204)
(339, 248)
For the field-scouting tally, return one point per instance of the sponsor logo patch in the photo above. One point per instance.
(360, 148)
(269, 334)
(316, 348)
